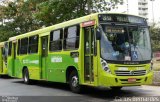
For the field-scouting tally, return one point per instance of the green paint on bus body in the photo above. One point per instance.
(53, 67)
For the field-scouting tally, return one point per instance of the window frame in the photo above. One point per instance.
(65, 34)
(31, 44)
(10, 48)
(20, 47)
(61, 39)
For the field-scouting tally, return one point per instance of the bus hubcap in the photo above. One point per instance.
(25, 78)
(74, 81)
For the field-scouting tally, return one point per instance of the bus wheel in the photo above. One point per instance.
(26, 76)
(74, 82)
(117, 88)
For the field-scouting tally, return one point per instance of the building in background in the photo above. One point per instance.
(143, 8)
(136, 7)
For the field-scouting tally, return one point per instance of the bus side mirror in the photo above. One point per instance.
(98, 34)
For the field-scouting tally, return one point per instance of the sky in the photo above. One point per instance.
(156, 9)
(133, 3)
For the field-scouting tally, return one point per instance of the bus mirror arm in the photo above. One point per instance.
(95, 50)
(98, 34)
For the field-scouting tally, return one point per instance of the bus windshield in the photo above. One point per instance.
(125, 43)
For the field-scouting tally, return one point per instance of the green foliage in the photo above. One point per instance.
(21, 16)
(155, 38)
(16, 18)
(56, 11)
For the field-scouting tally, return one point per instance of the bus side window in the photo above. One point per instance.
(33, 44)
(6, 48)
(10, 49)
(71, 37)
(19, 45)
(56, 40)
(24, 46)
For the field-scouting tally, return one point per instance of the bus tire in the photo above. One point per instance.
(117, 88)
(26, 76)
(74, 82)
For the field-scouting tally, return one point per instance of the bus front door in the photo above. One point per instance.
(89, 64)
(14, 60)
(44, 49)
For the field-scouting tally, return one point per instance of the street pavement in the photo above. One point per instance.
(41, 91)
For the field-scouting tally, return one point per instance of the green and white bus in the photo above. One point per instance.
(101, 50)
(3, 58)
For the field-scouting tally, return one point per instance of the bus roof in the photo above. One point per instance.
(2, 44)
(62, 25)
(122, 14)
(56, 26)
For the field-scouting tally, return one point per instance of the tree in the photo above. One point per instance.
(56, 11)
(155, 37)
(16, 18)
(21, 16)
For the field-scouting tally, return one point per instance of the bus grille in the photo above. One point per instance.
(130, 73)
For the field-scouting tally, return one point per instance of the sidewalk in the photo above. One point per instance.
(156, 78)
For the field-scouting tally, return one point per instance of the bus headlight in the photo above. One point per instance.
(105, 66)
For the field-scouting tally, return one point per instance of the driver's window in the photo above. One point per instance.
(118, 37)
(138, 38)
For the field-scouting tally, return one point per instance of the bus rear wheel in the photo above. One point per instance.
(74, 82)
(26, 76)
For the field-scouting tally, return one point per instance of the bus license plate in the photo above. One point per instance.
(131, 80)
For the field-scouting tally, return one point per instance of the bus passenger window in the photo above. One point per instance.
(33, 44)
(24, 46)
(10, 49)
(71, 40)
(19, 45)
(56, 40)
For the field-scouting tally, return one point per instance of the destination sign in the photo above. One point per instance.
(88, 23)
(121, 18)
(114, 30)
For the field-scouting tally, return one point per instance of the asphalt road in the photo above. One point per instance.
(60, 92)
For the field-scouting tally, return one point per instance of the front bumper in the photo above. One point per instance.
(107, 80)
